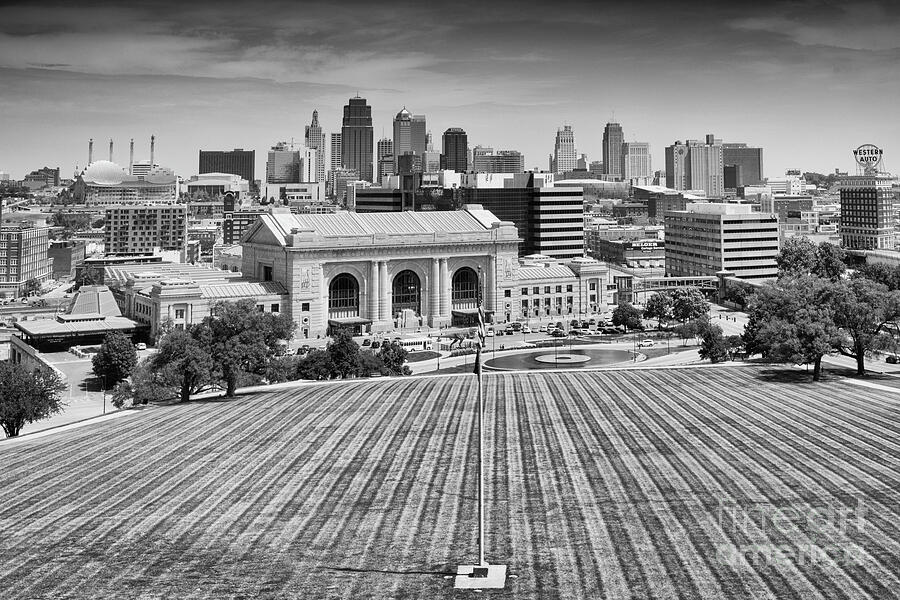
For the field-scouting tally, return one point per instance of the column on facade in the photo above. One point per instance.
(445, 301)
(384, 286)
(435, 304)
(372, 297)
(490, 285)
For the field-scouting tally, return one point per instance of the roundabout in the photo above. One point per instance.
(559, 359)
(571, 358)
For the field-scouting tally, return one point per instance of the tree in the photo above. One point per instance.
(344, 354)
(116, 359)
(801, 256)
(183, 363)
(797, 257)
(830, 261)
(393, 358)
(152, 385)
(713, 345)
(121, 394)
(32, 286)
(659, 307)
(27, 396)
(792, 322)
(862, 311)
(241, 339)
(880, 273)
(90, 276)
(282, 368)
(316, 365)
(688, 304)
(627, 316)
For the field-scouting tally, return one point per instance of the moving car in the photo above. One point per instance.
(558, 333)
(646, 344)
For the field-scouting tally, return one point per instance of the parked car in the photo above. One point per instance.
(140, 346)
(646, 344)
(611, 330)
(574, 323)
(559, 325)
(489, 333)
(592, 321)
(367, 342)
(558, 333)
(542, 328)
(515, 326)
(526, 329)
(376, 344)
(892, 359)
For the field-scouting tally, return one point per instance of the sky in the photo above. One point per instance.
(807, 80)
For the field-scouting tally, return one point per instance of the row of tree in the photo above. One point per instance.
(683, 306)
(235, 345)
(813, 309)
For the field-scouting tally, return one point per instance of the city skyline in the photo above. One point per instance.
(808, 81)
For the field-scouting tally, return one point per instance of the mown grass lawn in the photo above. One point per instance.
(692, 483)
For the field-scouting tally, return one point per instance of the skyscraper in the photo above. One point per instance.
(357, 138)
(636, 167)
(613, 137)
(410, 136)
(385, 157)
(564, 150)
(315, 140)
(455, 150)
(696, 165)
(335, 163)
(236, 162)
(283, 164)
(749, 163)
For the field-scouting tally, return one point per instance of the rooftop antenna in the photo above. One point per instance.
(131, 159)
(110, 149)
(152, 148)
(90, 150)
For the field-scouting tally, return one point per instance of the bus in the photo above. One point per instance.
(414, 344)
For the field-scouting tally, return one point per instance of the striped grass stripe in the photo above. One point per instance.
(600, 485)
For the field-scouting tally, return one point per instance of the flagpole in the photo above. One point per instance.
(481, 575)
(481, 560)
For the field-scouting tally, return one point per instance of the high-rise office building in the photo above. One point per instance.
(706, 238)
(410, 136)
(485, 160)
(234, 162)
(867, 212)
(283, 164)
(455, 150)
(357, 138)
(335, 162)
(749, 163)
(564, 151)
(385, 155)
(613, 137)
(23, 256)
(696, 165)
(636, 168)
(315, 139)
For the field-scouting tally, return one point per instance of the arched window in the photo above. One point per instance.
(407, 292)
(343, 296)
(465, 288)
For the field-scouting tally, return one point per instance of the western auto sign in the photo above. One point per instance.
(868, 155)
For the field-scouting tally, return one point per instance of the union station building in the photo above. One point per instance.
(380, 271)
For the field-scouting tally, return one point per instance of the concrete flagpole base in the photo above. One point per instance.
(480, 577)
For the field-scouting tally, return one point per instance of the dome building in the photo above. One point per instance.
(104, 183)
